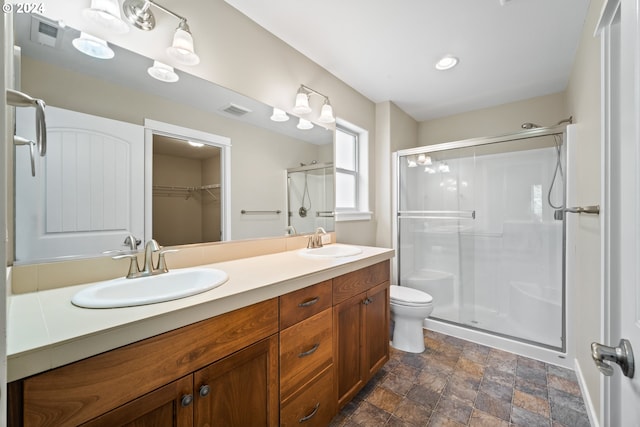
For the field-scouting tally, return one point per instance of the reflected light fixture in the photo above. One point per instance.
(196, 144)
(139, 13)
(182, 47)
(163, 72)
(106, 13)
(93, 46)
(447, 62)
(279, 115)
(423, 159)
(304, 124)
(302, 104)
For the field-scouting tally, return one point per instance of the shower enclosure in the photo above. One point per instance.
(310, 197)
(480, 227)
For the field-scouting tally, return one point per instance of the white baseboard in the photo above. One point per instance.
(586, 396)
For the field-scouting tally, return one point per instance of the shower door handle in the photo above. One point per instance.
(622, 355)
(584, 209)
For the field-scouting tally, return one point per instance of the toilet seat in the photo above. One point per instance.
(409, 297)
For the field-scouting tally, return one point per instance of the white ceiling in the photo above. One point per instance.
(387, 49)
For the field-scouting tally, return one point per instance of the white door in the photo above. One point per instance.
(621, 124)
(88, 192)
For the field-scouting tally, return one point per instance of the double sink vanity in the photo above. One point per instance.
(285, 339)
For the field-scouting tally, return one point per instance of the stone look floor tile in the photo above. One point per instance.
(459, 383)
(482, 419)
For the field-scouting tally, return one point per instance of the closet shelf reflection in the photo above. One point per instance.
(184, 191)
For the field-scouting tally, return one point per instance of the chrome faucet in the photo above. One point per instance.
(148, 268)
(315, 240)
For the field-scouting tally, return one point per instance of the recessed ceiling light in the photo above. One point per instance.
(446, 62)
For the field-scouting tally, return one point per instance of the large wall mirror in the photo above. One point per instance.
(238, 189)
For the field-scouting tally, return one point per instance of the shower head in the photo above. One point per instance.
(529, 125)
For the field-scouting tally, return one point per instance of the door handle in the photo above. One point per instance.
(622, 355)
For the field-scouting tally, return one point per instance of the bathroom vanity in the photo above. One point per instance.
(300, 349)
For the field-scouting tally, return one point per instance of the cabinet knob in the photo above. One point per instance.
(367, 301)
(204, 390)
(186, 400)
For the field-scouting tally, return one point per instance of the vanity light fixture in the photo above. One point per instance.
(302, 104)
(107, 14)
(93, 46)
(139, 13)
(447, 62)
(304, 124)
(163, 72)
(279, 115)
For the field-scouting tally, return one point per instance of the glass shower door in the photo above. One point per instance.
(435, 211)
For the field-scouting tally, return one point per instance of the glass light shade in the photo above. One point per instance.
(302, 104)
(326, 114)
(163, 72)
(304, 124)
(182, 48)
(107, 14)
(423, 159)
(447, 62)
(279, 115)
(93, 46)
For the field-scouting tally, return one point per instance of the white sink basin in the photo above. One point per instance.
(169, 286)
(335, 250)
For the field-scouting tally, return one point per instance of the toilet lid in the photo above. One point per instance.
(406, 295)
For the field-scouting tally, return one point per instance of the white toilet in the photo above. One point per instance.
(409, 308)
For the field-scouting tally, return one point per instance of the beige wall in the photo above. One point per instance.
(503, 119)
(238, 54)
(395, 130)
(583, 99)
(258, 159)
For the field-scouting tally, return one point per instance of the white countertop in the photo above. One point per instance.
(46, 331)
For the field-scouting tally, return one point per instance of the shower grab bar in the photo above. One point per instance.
(246, 212)
(595, 209)
(325, 214)
(438, 214)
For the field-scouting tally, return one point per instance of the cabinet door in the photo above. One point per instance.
(168, 406)
(348, 343)
(240, 390)
(376, 329)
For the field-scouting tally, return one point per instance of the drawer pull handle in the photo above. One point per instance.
(309, 303)
(311, 415)
(186, 400)
(309, 352)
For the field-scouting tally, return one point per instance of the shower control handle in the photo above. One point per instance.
(622, 355)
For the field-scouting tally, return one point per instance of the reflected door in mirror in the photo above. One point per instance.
(88, 194)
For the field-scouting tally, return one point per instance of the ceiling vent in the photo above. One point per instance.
(236, 110)
(45, 32)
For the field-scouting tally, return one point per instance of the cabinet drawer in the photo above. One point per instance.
(313, 406)
(359, 281)
(304, 303)
(305, 349)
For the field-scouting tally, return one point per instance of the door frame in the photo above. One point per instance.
(153, 127)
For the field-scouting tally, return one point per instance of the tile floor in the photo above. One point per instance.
(460, 383)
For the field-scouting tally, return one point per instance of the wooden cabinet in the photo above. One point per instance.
(361, 328)
(285, 361)
(90, 388)
(169, 406)
(306, 357)
(240, 390)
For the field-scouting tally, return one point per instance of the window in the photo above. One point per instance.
(351, 162)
